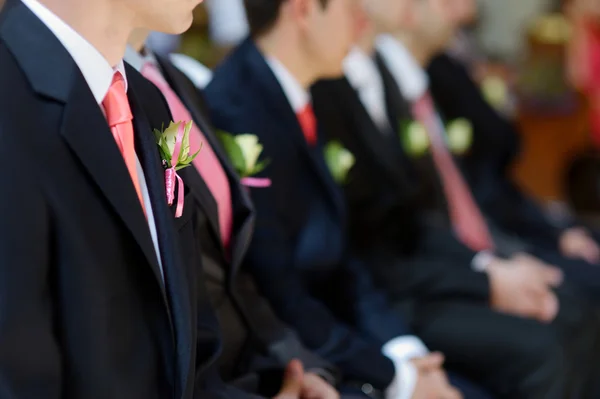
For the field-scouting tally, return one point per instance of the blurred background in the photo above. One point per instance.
(518, 52)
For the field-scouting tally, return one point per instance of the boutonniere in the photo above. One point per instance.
(174, 147)
(244, 151)
(460, 135)
(495, 92)
(339, 161)
(415, 138)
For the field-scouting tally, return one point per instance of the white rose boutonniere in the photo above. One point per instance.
(244, 151)
(415, 138)
(339, 161)
(460, 135)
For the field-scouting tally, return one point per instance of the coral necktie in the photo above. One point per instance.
(467, 219)
(119, 118)
(308, 123)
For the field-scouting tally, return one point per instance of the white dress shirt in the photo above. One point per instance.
(193, 69)
(362, 73)
(98, 74)
(401, 349)
(137, 60)
(408, 74)
(413, 83)
(297, 95)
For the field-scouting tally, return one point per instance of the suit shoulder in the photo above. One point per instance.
(16, 93)
(228, 98)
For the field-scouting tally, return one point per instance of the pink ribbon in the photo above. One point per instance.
(171, 175)
(256, 182)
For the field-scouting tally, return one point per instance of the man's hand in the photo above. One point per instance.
(576, 243)
(432, 382)
(314, 387)
(291, 388)
(299, 385)
(522, 287)
(430, 362)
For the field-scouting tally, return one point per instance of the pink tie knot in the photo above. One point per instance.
(116, 103)
(153, 74)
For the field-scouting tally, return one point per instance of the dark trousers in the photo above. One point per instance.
(513, 357)
(466, 387)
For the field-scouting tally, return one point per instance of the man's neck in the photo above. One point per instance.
(418, 50)
(367, 41)
(137, 40)
(290, 55)
(103, 25)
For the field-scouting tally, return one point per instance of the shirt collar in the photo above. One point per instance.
(297, 96)
(138, 60)
(361, 70)
(408, 74)
(96, 70)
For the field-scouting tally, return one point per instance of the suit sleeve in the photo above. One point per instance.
(496, 142)
(30, 356)
(271, 262)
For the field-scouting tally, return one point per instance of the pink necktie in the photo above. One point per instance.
(308, 123)
(119, 118)
(206, 162)
(466, 217)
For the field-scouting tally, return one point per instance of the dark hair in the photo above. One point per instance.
(262, 14)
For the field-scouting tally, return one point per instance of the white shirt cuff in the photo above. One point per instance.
(404, 383)
(482, 260)
(401, 350)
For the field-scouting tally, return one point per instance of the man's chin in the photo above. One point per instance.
(176, 27)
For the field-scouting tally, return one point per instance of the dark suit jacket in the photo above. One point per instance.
(255, 340)
(486, 166)
(383, 193)
(84, 312)
(299, 253)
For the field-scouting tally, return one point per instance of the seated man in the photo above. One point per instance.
(428, 272)
(487, 170)
(299, 254)
(257, 346)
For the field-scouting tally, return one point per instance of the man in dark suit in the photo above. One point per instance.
(299, 254)
(446, 300)
(97, 300)
(257, 346)
(487, 169)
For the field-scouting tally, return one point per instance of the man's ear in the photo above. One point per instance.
(302, 10)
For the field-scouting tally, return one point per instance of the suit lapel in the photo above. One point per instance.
(273, 95)
(177, 288)
(384, 146)
(243, 215)
(86, 132)
(396, 107)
